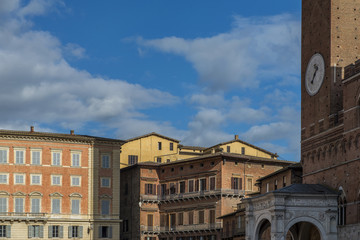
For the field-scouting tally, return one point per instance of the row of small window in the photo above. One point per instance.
(171, 146)
(36, 179)
(190, 166)
(19, 205)
(37, 231)
(237, 184)
(56, 157)
(177, 219)
(276, 184)
(180, 187)
(242, 150)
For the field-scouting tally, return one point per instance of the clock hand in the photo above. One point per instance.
(316, 69)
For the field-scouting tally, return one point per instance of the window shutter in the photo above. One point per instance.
(61, 228)
(154, 189)
(50, 231)
(205, 187)
(41, 232)
(197, 185)
(110, 232)
(146, 189)
(240, 183)
(232, 183)
(176, 188)
(30, 233)
(69, 231)
(100, 228)
(8, 231)
(80, 232)
(158, 190)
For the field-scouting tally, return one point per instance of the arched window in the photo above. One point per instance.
(342, 207)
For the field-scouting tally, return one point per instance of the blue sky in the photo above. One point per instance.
(198, 71)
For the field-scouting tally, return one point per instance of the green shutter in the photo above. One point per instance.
(8, 231)
(61, 229)
(50, 231)
(41, 232)
(80, 232)
(69, 231)
(99, 231)
(110, 232)
(30, 232)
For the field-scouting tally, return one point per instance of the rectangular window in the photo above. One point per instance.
(243, 150)
(3, 155)
(75, 206)
(191, 185)
(163, 189)
(36, 231)
(75, 181)
(55, 180)
(212, 183)
(35, 205)
(159, 146)
(56, 158)
(150, 221)
(203, 184)
(105, 207)
(150, 189)
(172, 188)
(284, 181)
(19, 205)
(250, 184)
(191, 218)
(126, 225)
(75, 231)
(35, 179)
(171, 146)
(132, 159)
(182, 187)
(19, 156)
(158, 159)
(201, 217)
(228, 149)
(181, 219)
(105, 232)
(267, 187)
(4, 178)
(212, 216)
(105, 182)
(55, 231)
(35, 157)
(19, 179)
(105, 161)
(236, 183)
(3, 205)
(5, 231)
(55, 206)
(75, 161)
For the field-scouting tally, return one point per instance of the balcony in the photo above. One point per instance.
(12, 216)
(208, 194)
(205, 227)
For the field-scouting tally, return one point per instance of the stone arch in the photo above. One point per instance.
(319, 153)
(350, 142)
(330, 149)
(263, 227)
(324, 152)
(343, 145)
(310, 220)
(4, 193)
(35, 194)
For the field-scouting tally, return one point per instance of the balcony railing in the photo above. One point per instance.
(46, 216)
(182, 228)
(199, 194)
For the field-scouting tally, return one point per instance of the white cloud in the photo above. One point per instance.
(39, 85)
(253, 50)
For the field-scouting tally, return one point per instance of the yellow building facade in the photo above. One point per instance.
(154, 147)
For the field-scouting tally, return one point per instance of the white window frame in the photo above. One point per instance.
(18, 175)
(7, 154)
(52, 180)
(71, 180)
(23, 150)
(35, 150)
(102, 160)
(52, 157)
(101, 182)
(35, 175)
(31, 204)
(72, 158)
(52, 207)
(7, 178)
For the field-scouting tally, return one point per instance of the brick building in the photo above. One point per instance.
(183, 199)
(58, 186)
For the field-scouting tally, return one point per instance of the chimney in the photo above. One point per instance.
(236, 137)
(72, 132)
(32, 129)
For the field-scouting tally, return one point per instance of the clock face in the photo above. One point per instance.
(315, 72)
